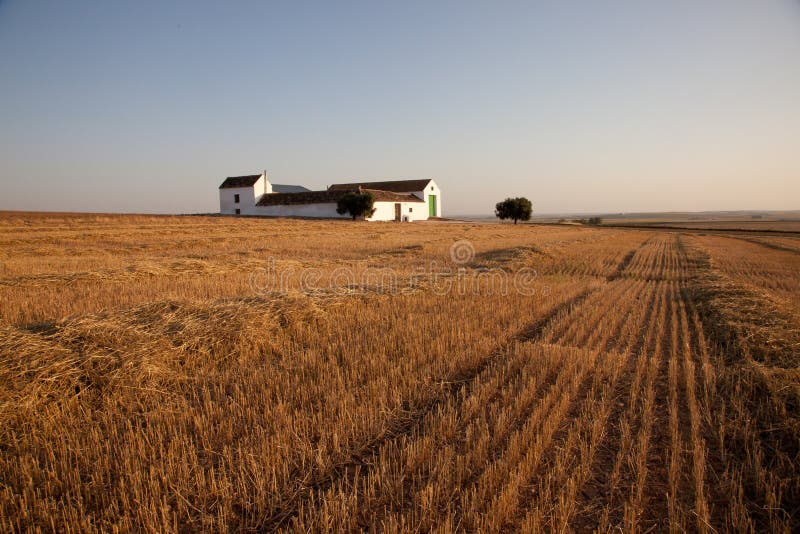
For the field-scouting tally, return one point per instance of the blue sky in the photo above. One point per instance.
(582, 106)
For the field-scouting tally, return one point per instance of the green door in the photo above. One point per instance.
(432, 205)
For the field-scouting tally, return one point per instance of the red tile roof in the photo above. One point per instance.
(240, 181)
(306, 197)
(391, 196)
(330, 196)
(396, 186)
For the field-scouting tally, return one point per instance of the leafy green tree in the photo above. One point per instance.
(357, 204)
(514, 208)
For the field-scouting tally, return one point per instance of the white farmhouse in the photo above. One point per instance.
(399, 200)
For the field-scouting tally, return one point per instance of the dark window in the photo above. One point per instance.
(236, 198)
(410, 210)
(431, 188)
(238, 211)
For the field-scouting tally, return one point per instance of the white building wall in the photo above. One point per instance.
(262, 186)
(384, 211)
(410, 211)
(227, 203)
(325, 210)
(431, 189)
(247, 197)
(415, 211)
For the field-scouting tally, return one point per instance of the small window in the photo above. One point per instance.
(431, 188)
(410, 210)
(236, 198)
(238, 211)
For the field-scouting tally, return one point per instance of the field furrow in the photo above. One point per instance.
(600, 491)
(421, 430)
(526, 468)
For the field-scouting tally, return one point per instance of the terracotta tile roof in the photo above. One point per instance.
(330, 196)
(240, 181)
(305, 197)
(391, 196)
(396, 186)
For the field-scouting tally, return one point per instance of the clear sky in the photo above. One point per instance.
(578, 105)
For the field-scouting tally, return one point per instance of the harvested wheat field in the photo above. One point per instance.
(168, 374)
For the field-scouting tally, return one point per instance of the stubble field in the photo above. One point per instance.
(182, 374)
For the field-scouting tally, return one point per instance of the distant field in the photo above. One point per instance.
(746, 224)
(187, 374)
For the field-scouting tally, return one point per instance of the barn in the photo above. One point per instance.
(396, 200)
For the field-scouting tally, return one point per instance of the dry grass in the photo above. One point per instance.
(648, 383)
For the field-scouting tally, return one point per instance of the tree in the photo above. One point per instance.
(357, 204)
(514, 208)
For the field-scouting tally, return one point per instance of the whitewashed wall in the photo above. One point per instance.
(319, 210)
(262, 186)
(431, 189)
(414, 211)
(384, 211)
(247, 200)
(247, 197)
